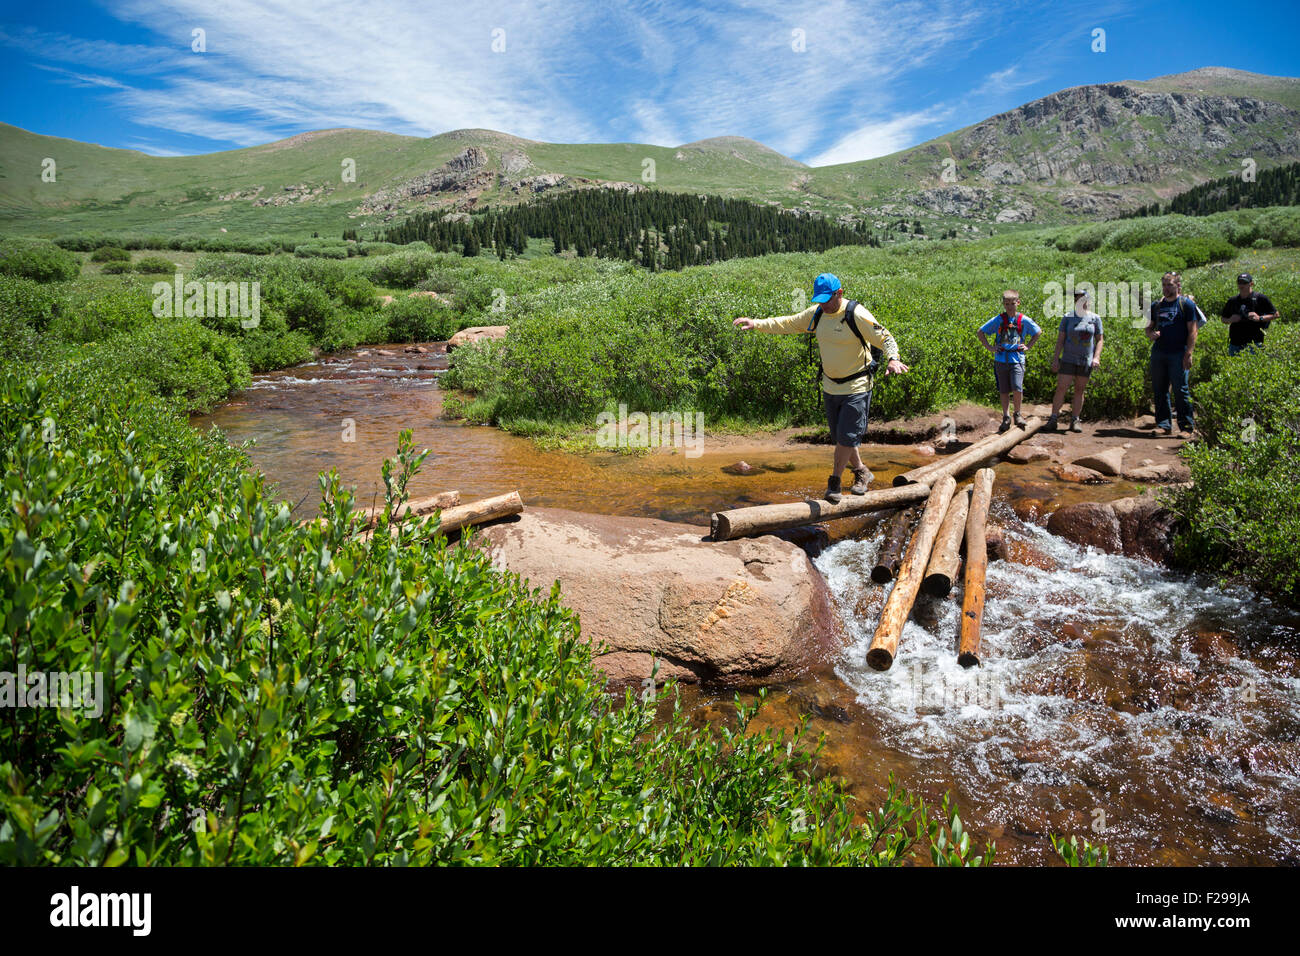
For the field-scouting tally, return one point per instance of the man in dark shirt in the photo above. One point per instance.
(1247, 314)
(1172, 329)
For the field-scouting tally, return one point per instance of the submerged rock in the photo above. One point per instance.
(1109, 461)
(739, 468)
(1088, 523)
(736, 613)
(1079, 474)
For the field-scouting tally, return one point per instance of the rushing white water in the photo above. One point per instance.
(1101, 675)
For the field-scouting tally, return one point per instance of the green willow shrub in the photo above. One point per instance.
(177, 359)
(116, 268)
(356, 292)
(401, 270)
(38, 260)
(154, 265)
(26, 303)
(309, 309)
(110, 254)
(419, 318)
(286, 693)
(97, 309)
(1240, 517)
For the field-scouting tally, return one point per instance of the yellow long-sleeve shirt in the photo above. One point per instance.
(842, 353)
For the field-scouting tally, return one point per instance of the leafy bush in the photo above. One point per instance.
(110, 254)
(309, 309)
(96, 310)
(1180, 254)
(277, 693)
(177, 359)
(116, 268)
(37, 260)
(28, 303)
(154, 265)
(356, 292)
(1240, 517)
(322, 250)
(419, 318)
(401, 269)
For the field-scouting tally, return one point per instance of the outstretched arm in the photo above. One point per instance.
(781, 325)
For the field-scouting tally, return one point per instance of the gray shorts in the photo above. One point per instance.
(1010, 376)
(846, 416)
(1075, 368)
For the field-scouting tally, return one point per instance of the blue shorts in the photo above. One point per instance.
(846, 416)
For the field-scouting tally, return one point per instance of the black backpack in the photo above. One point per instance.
(876, 354)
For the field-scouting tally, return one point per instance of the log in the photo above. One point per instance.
(899, 603)
(977, 562)
(981, 452)
(920, 473)
(890, 558)
(762, 519)
(423, 506)
(947, 547)
(478, 512)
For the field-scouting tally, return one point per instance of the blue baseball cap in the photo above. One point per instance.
(824, 287)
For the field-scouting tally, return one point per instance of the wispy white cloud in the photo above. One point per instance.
(794, 74)
(880, 138)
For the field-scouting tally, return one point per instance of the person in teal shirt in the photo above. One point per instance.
(1014, 335)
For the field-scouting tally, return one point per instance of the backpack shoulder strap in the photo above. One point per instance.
(817, 317)
(850, 308)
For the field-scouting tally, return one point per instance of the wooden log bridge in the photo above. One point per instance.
(899, 603)
(968, 458)
(763, 519)
(947, 547)
(977, 562)
(891, 552)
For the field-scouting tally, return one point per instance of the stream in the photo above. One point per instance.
(1118, 701)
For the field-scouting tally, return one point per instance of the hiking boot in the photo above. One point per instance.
(861, 479)
(1052, 423)
(1076, 425)
(1020, 420)
(1186, 431)
(833, 489)
(1006, 423)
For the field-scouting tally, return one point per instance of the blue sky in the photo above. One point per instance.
(871, 77)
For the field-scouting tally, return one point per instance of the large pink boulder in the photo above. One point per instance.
(737, 613)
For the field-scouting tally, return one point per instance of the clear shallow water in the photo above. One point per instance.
(1117, 700)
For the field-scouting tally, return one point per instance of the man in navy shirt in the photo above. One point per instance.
(1172, 327)
(1247, 315)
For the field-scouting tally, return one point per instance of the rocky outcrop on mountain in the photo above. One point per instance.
(288, 195)
(1097, 150)
(514, 162)
(465, 174)
(540, 183)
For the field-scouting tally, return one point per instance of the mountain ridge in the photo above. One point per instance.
(1087, 151)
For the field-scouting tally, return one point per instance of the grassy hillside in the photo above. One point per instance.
(1083, 153)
